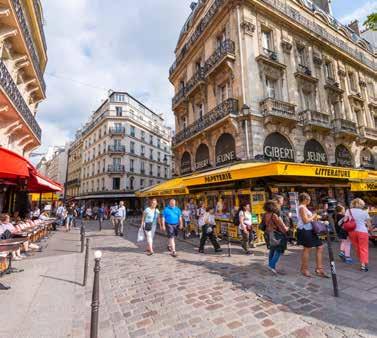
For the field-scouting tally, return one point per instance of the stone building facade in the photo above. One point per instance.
(74, 164)
(23, 59)
(272, 80)
(124, 147)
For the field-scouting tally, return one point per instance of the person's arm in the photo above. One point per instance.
(159, 220)
(180, 220)
(305, 218)
(163, 221)
(279, 223)
(142, 219)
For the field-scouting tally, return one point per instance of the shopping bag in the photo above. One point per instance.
(140, 235)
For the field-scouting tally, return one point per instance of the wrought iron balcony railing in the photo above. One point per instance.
(40, 22)
(116, 149)
(315, 118)
(270, 54)
(116, 169)
(29, 41)
(344, 127)
(228, 107)
(226, 47)
(117, 131)
(276, 108)
(304, 70)
(11, 89)
(369, 135)
(195, 79)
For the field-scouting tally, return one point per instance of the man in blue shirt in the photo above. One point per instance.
(171, 222)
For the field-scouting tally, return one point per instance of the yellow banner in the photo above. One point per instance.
(365, 186)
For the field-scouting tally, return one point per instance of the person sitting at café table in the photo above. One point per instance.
(6, 225)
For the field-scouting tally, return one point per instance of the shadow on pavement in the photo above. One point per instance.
(61, 280)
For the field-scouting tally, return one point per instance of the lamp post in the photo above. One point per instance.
(246, 113)
(95, 296)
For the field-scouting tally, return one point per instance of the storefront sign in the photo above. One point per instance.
(218, 178)
(186, 163)
(277, 148)
(372, 186)
(367, 160)
(225, 149)
(202, 157)
(330, 172)
(314, 153)
(343, 157)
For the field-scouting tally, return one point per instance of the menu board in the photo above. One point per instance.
(293, 206)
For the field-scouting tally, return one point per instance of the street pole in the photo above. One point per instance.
(95, 296)
(82, 234)
(86, 262)
(332, 263)
(229, 246)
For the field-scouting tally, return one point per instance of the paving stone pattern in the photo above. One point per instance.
(214, 295)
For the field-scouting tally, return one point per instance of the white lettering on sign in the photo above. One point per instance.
(313, 156)
(202, 164)
(279, 153)
(226, 157)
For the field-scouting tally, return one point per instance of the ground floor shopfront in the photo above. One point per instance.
(228, 188)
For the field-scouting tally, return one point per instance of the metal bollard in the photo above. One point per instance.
(332, 264)
(95, 296)
(86, 262)
(229, 245)
(82, 232)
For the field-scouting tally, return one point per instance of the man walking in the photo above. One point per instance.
(101, 215)
(120, 216)
(172, 222)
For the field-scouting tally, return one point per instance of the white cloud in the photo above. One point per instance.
(360, 13)
(120, 44)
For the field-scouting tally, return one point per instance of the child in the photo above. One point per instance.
(207, 231)
(186, 213)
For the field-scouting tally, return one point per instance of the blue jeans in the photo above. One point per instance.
(273, 258)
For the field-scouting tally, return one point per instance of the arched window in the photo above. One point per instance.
(202, 157)
(277, 148)
(186, 163)
(314, 153)
(343, 157)
(225, 149)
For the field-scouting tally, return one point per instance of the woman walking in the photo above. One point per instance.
(360, 237)
(186, 214)
(245, 225)
(149, 220)
(307, 238)
(208, 231)
(345, 242)
(276, 232)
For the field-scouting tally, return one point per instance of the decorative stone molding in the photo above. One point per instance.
(287, 46)
(362, 83)
(317, 59)
(248, 27)
(342, 72)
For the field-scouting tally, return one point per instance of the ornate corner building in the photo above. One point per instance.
(272, 80)
(23, 59)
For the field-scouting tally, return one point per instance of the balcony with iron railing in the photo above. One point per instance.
(115, 149)
(117, 131)
(344, 127)
(369, 135)
(315, 120)
(116, 169)
(195, 80)
(17, 100)
(225, 51)
(276, 111)
(305, 73)
(270, 58)
(227, 108)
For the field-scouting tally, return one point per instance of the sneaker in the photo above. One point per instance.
(348, 260)
(341, 255)
(219, 250)
(174, 254)
(364, 268)
(273, 270)
(249, 253)
(201, 251)
(17, 258)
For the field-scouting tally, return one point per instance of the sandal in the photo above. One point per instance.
(306, 274)
(321, 273)
(150, 253)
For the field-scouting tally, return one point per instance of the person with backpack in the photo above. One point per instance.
(208, 231)
(246, 227)
(276, 231)
(359, 236)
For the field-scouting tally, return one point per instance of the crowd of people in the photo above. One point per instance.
(277, 226)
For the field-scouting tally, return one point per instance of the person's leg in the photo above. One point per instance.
(274, 259)
(213, 240)
(347, 247)
(355, 242)
(148, 235)
(203, 238)
(305, 261)
(121, 225)
(116, 227)
(172, 244)
(363, 248)
(245, 241)
(319, 258)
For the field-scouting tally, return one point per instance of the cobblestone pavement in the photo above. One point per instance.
(209, 295)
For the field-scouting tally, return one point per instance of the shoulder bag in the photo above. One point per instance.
(319, 228)
(148, 225)
(350, 224)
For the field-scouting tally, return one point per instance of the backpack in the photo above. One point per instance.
(236, 218)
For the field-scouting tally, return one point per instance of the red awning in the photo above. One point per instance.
(12, 165)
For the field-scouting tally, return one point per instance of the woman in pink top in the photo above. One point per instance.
(360, 236)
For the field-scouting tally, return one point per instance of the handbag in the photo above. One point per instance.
(319, 228)
(149, 225)
(350, 224)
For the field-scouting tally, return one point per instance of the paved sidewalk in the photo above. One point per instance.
(194, 295)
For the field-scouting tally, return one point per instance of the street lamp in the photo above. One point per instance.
(246, 112)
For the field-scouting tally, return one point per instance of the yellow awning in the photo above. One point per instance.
(364, 186)
(172, 187)
(256, 170)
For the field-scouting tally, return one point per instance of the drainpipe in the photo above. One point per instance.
(243, 81)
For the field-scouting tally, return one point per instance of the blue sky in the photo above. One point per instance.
(96, 45)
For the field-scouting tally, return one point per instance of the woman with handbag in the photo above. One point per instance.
(149, 220)
(357, 222)
(308, 238)
(345, 242)
(276, 232)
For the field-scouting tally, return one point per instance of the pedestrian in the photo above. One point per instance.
(360, 236)
(171, 222)
(101, 215)
(71, 212)
(245, 225)
(113, 211)
(186, 214)
(193, 216)
(149, 221)
(120, 216)
(208, 231)
(60, 213)
(286, 218)
(89, 213)
(308, 238)
(345, 242)
(200, 212)
(276, 234)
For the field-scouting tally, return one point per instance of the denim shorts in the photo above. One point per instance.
(172, 230)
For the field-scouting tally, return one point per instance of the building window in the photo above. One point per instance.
(103, 184)
(142, 167)
(150, 169)
(117, 144)
(267, 40)
(132, 163)
(132, 131)
(119, 97)
(119, 111)
(199, 110)
(271, 87)
(166, 172)
(222, 93)
(220, 39)
(307, 97)
(151, 139)
(150, 182)
(352, 81)
(301, 56)
(158, 143)
(116, 183)
(184, 122)
(329, 70)
(158, 156)
(151, 154)
(142, 148)
(132, 147)
(158, 171)
(142, 135)
(132, 179)
(142, 183)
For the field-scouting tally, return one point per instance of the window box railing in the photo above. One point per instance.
(116, 149)
(117, 169)
(304, 70)
(314, 118)
(270, 54)
(117, 131)
(226, 108)
(273, 107)
(344, 126)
